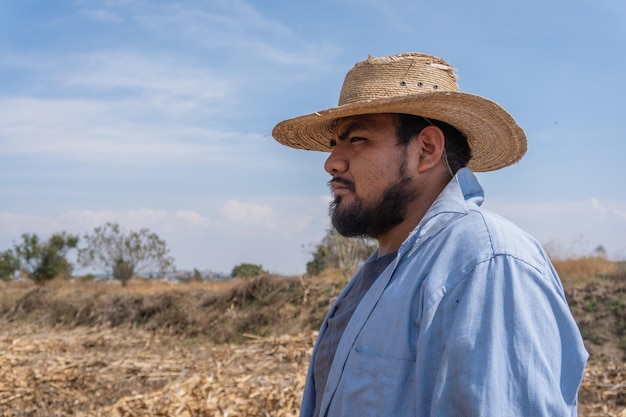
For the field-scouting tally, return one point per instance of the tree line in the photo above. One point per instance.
(125, 253)
(109, 247)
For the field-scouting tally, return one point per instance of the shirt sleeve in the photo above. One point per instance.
(502, 342)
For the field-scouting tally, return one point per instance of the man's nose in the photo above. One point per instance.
(336, 162)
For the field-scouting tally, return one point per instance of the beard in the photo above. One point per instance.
(358, 219)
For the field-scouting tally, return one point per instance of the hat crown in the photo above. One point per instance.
(397, 75)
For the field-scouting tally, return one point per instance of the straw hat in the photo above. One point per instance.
(419, 84)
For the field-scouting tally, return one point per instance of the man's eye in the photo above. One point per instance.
(332, 143)
(356, 139)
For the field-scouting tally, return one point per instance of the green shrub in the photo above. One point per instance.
(247, 271)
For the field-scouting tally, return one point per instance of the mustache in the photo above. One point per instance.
(346, 183)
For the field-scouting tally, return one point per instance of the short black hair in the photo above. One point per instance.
(456, 146)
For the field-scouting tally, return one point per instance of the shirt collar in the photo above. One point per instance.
(462, 191)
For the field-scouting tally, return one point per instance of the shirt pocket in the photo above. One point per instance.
(380, 385)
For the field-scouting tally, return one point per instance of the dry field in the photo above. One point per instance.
(104, 372)
(126, 372)
(237, 349)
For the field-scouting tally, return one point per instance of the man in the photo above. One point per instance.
(458, 312)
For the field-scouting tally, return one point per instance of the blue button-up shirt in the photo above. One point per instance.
(470, 319)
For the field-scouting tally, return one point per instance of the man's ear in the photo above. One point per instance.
(431, 142)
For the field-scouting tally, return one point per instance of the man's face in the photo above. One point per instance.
(371, 181)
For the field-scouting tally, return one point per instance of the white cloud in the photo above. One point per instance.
(140, 101)
(89, 130)
(145, 75)
(13, 225)
(121, 105)
(233, 25)
(621, 213)
(595, 204)
(247, 213)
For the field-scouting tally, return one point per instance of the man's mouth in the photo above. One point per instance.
(341, 186)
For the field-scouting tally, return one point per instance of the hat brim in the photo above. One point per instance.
(494, 137)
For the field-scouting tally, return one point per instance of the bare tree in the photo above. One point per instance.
(124, 253)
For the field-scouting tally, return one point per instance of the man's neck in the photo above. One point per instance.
(393, 239)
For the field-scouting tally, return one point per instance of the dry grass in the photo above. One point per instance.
(585, 270)
(222, 312)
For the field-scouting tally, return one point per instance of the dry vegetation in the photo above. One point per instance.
(132, 372)
(225, 349)
(586, 270)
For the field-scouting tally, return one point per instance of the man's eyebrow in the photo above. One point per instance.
(350, 127)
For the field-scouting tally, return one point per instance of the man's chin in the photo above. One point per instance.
(338, 207)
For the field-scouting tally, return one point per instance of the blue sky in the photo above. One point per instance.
(158, 114)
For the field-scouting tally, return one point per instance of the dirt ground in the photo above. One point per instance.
(126, 372)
